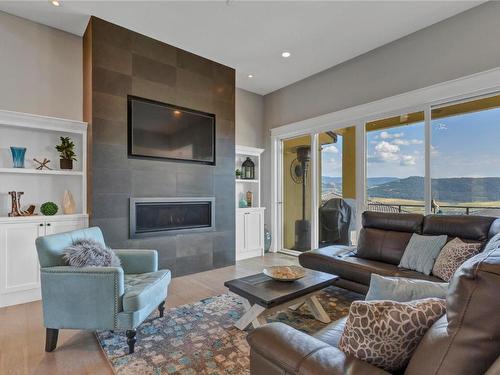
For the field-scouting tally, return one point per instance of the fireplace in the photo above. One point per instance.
(159, 216)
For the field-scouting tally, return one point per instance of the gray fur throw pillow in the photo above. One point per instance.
(89, 253)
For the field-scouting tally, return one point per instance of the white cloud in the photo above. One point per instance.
(401, 142)
(407, 160)
(330, 148)
(441, 126)
(385, 151)
(416, 142)
(385, 135)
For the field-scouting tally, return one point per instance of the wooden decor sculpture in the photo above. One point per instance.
(16, 205)
(43, 164)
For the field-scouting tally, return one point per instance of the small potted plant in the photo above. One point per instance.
(66, 151)
(238, 173)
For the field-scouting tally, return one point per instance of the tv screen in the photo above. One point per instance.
(166, 131)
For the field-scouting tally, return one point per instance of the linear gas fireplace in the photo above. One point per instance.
(157, 216)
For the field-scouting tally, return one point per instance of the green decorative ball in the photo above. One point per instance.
(49, 208)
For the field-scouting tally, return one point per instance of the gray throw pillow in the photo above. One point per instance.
(402, 289)
(421, 252)
(90, 253)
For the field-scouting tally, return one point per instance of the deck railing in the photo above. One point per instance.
(392, 207)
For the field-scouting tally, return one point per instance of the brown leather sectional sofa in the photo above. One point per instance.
(465, 341)
(382, 242)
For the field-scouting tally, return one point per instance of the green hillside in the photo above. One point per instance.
(464, 189)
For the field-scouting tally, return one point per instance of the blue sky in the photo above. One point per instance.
(462, 146)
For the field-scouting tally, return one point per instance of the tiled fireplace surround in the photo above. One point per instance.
(118, 62)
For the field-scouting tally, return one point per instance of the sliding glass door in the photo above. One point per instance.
(336, 186)
(296, 194)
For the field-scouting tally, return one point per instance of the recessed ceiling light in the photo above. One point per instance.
(286, 54)
(250, 76)
(55, 3)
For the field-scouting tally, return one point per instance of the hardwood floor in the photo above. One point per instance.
(22, 335)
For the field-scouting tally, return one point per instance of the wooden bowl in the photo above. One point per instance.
(285, 273)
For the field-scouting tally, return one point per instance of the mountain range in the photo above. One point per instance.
(461, 189)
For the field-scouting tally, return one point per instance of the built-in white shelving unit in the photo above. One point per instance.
(19, 268)
(249, 220)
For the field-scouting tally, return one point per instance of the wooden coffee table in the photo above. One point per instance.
(263, 296)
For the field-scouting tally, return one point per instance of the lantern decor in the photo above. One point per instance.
(248, 169)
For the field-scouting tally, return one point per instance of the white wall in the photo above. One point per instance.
(249, 119)
(40, 69)
(459, 46)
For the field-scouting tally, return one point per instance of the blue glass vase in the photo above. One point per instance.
(18, 156)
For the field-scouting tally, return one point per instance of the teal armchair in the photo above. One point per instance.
(98, 298)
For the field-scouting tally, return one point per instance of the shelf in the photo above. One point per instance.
(41, 172)
(40, 217)
(242, 209)
(243, 180)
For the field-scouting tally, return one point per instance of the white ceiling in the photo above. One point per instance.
(249, 35)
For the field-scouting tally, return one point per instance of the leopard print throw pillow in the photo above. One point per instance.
(385, 333)
(451, 257)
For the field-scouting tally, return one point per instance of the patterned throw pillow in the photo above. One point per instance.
(451, 257)
(385, 333)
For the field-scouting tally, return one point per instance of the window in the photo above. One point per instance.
(465, 157)
(337, 186)
(396, 164)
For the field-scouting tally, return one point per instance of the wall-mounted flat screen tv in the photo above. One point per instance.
(166, 131)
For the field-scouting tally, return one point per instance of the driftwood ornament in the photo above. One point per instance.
(16, 205)
(43, 164)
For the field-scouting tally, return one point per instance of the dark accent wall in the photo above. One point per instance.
(118, 62)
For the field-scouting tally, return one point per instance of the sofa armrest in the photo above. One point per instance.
(138, 261)
(81, 297)
(278, 348)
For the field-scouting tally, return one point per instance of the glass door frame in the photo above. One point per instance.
(318, 126)
(277, 221)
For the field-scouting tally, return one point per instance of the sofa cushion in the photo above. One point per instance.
(332, 332)
(347, 267)
(398, 222)
(402, 289)
(421, 252)
(451, 257)
(351, 267)
(384, 236)
(469, 342)
(143, 289)
(385, 333)
(474, 228)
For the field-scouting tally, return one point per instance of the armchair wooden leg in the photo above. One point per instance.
(131, 340)
(51, 335)
(161, 308)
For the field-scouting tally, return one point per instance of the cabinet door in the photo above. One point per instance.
(240, 232)
(54, 227)
(19, 260)
(253, 235)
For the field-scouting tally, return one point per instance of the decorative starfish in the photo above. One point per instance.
(43, 164)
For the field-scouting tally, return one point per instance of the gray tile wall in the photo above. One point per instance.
(124, 62)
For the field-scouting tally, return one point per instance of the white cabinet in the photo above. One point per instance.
(249, 232)
(19, 268)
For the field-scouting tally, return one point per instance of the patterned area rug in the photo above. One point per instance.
(200, 338)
